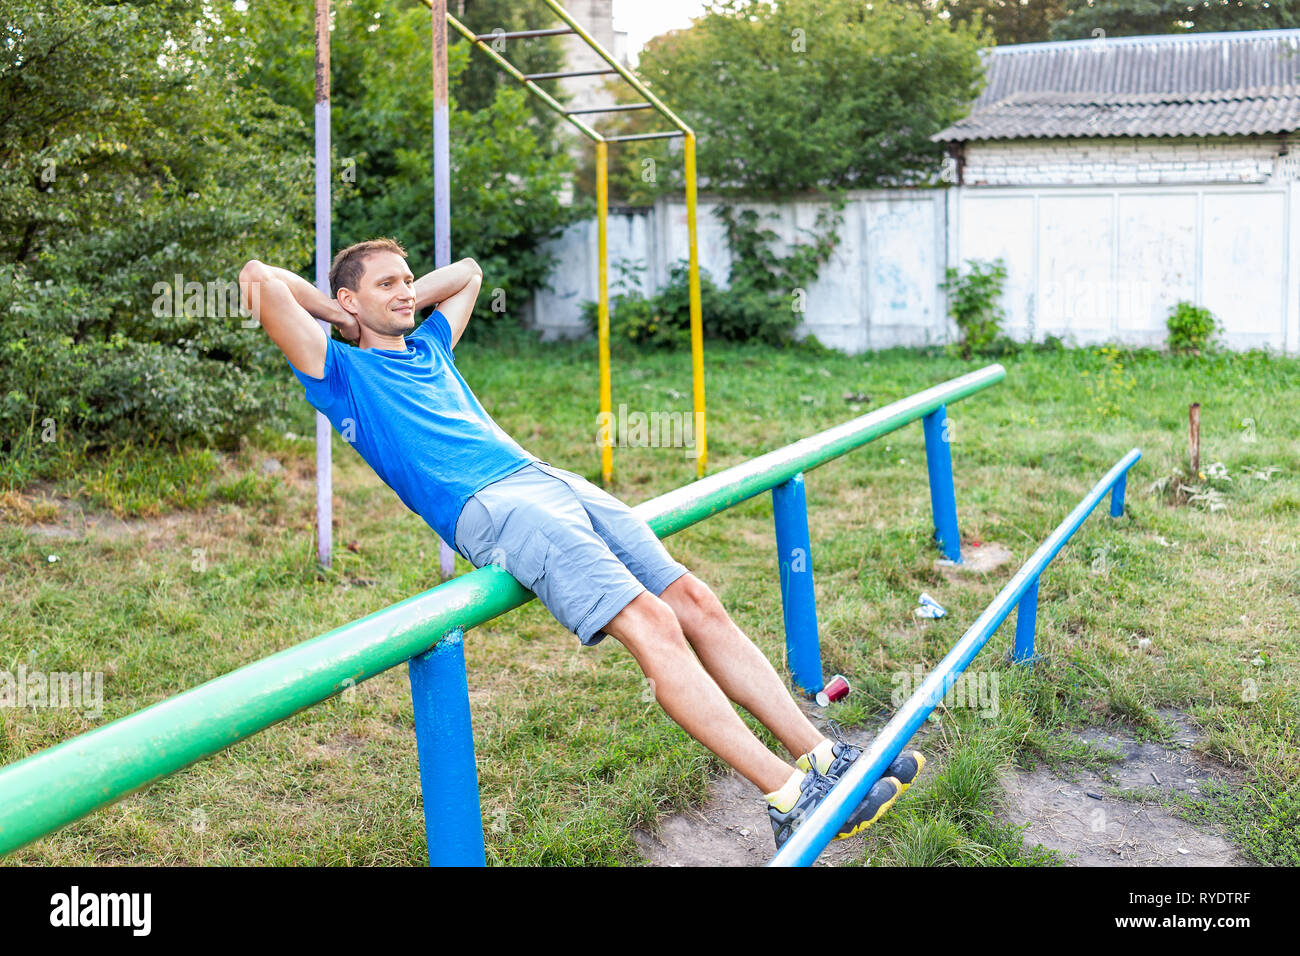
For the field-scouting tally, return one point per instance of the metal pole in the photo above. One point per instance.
(1117, 497)
(441, 184)
(444, 739)
(602, 332)
(943, 499)
(1026, 619)
(798, 596)
(697, 321)
(324, 432)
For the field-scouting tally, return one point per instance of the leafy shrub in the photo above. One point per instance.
(974, 306)
(1191, 328)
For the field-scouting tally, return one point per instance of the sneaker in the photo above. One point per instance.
(813, 790)
(904, 769)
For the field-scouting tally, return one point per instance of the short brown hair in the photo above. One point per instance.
(350, 263)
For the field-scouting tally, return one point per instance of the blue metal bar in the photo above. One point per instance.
(1117, 497)
(444, 739)
(821, 826)
(798, 597)
(943, 499)
(1026, 618)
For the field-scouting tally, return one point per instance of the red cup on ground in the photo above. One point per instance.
(837, 689)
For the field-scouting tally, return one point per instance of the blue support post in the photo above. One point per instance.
(943, 499)
(1117, 496)
(798, 598)
(1026, 619)
(444, 739)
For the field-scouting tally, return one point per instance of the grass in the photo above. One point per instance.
(210, 564)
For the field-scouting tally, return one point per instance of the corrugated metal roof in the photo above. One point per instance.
(1183, 85)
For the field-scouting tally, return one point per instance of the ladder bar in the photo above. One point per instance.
(563, 76)
(623, 139)
(612, 109)
(522, 34)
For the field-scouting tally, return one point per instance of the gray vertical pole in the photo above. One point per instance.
(324, 477)
(441, 181)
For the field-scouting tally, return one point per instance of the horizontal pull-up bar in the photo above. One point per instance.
(522, 34)
(624, 139)
(566, 74)
(612, 109)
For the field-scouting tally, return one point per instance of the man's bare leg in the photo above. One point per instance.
(649, 629)
(737, 665)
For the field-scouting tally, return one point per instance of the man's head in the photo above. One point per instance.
(371, 281)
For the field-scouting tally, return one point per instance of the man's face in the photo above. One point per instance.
(384, 301)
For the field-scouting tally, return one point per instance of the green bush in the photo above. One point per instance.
(974, 306)
(1191, 328)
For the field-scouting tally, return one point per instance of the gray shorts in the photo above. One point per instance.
(583, 552)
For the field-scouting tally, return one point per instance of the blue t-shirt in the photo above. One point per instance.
(411, 416)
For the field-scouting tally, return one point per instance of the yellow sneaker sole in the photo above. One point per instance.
(884, 808)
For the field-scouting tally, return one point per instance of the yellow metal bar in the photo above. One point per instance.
(602, 253)
(622, 70)
(697, 320)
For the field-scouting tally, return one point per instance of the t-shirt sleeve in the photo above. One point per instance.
(323, 392)
(437, 330)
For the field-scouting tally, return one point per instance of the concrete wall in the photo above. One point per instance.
(879, 288)
(1097, 260)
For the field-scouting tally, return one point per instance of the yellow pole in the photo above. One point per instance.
(602, 281)
(697, 322)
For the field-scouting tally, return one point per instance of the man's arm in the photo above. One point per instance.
(453, 289)
(285, 304)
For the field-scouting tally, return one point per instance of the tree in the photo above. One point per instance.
(129, 155)
(1116, 18)
(1011, 21)
(506, 178)
(805, 95)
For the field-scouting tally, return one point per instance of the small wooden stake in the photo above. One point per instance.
(1194, 426)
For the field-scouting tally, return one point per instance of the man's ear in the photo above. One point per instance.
(348, 300)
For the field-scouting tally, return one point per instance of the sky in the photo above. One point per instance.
(643, 19)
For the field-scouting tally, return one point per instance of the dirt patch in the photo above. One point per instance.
(975, 559)
(1066, 815)
(731, 828)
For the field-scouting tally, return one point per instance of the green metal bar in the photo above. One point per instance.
(665, 135)
(56, 786)
(622, 70)
(620, 108)
(566, 75)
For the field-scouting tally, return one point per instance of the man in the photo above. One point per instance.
(399, 399)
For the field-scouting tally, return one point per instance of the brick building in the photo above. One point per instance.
(1118, 176)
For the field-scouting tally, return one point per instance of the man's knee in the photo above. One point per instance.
(693, 601)
(646, 623)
